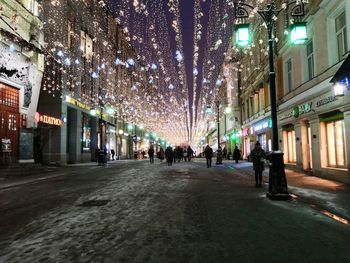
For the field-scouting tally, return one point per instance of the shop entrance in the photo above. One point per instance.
(9, 116)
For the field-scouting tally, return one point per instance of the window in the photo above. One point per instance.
(86, 45)
(86, 134)
(31, 6)
(291, 146)
(310, 59)
(340, 31)
(335, 136)
(289, 76)
(2, 120)
(9, 96)
(261, 99)
(262, 140)
(12, 122)
(256, 103)
(70, 34)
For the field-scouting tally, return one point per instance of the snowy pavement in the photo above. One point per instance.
(155, 213)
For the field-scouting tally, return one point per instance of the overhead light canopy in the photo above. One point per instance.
(242, 35)
(298, 34)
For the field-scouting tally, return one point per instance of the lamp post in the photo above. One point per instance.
(218, 151)
(277, 178)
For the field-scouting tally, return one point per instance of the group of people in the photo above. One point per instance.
(257, 155)
(172, 155)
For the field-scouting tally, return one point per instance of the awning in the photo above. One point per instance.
(343, 72)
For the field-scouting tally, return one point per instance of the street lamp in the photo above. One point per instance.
(277, 178)
(218, 151)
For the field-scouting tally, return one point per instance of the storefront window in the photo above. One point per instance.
(86, 133)
(291, 147)
(262, 140)
(335, 143)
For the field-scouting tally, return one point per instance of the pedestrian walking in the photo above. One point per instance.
(185, 154)
(224, 152)
(112, 153)
(179, 153)
(143, 154)
(169, 154)
(97, 152)
(208, 153)
(258, 157)
(105, 153)
(175, 154)
(161, 154)
(236, 154)
(151, 155)
(189, 153)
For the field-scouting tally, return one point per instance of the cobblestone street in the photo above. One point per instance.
(155, 213)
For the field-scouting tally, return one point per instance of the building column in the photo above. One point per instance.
(316, 143)
(305, 147)
(347, 139)
(299, 143)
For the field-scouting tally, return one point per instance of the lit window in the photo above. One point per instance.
(86, 45)
(335, 134)
(70, 34)
(291, 147)
(86, 134)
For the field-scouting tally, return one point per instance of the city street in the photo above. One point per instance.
(140, 212)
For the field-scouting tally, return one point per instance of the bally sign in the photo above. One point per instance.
(48, 119)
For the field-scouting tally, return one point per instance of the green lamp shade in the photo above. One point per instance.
(298, 33)
(209, 110)
(242, 35)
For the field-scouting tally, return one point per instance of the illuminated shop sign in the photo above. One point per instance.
(48, 119)
(77, 103)
(325, 101)
(263, 125)
(298, 110)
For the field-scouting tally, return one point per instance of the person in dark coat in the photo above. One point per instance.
(161, 154)
(151, 155)
(258, 158)
(179, 153)
(169, 155)
(113, 154)
(236, 154)
(97, 152)
(189, 153)
(224, 152)
(208, 153)
(175, 154)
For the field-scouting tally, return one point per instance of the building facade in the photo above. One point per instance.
(86, 78)
(312, 119)
(21, 71)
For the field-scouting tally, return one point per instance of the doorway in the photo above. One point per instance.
(9, 116)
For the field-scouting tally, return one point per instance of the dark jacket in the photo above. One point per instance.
(169, 154)
(258, 158)
(150, 152)
(236, 154)
(208, 152)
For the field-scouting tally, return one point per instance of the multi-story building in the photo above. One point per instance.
(85, 84)
(313, 121)
(21, 71)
